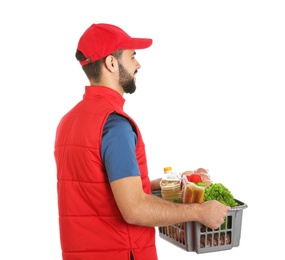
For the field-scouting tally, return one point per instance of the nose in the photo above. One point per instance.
(138, 65)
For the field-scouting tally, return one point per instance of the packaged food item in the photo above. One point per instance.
(192, 192)
(198, 175)
(205, 176)
(170, 186)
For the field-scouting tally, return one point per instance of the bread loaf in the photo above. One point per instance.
(193, 193)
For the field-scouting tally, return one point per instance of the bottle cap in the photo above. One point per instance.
(167, 169)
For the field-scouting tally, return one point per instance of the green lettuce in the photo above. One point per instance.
(217, 191)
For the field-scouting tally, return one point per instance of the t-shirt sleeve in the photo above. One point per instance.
(118, 149)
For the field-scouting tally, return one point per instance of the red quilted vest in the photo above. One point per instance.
(91, 226)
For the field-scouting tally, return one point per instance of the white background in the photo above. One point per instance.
(210, 94)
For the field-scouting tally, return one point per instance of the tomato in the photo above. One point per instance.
(194, 177)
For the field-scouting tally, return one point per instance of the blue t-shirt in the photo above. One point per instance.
(118, 149)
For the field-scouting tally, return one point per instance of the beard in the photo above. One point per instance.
(126, 80)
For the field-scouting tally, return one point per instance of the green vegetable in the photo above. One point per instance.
(217, 191)
(201, 184)
(177, 200)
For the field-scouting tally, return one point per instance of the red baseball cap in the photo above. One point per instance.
(100, 40)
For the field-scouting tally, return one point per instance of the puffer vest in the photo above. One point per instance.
(91, 225)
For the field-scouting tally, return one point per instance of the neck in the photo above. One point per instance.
(109, 84)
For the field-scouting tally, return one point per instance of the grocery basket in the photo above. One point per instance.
(195, 237)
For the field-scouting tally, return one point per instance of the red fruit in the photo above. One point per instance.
(194, 177)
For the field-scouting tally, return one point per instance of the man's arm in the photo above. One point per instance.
(143, 209)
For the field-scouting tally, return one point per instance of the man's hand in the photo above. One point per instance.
(155, 184)
(214, 214)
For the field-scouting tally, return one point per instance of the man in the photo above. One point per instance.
(106, 210)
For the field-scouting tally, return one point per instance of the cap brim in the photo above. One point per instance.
(136, 43)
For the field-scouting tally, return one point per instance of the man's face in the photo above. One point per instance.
(127, 71)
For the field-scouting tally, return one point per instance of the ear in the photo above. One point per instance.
(111, 63)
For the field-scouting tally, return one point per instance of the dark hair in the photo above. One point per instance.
(93, 70)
